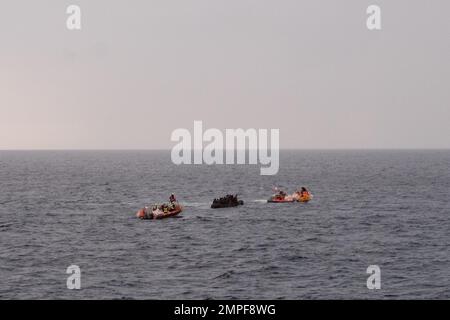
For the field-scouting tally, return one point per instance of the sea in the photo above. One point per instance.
(385, 208)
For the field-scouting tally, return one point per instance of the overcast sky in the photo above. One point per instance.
(140, 69)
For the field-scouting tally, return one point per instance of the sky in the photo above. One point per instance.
(137, 70)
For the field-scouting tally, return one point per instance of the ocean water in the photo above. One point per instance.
(385, 208)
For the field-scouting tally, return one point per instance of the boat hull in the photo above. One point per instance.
(157, 214)
(216, 205)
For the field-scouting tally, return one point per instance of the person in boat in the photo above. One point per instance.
(281, 195)
(172, 198)
(304, 192)
(146, 213)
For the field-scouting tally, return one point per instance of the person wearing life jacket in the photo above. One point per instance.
(172, 198)
(281, 195)
(304, 192)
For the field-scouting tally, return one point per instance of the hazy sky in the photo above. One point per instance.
(140, 69)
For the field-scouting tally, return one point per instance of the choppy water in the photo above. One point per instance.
(389, 208)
